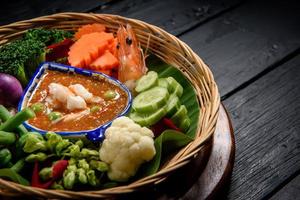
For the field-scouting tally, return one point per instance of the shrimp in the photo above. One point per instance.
(76, 103)
(73, 116)
(59, 92)
(81, 91)
(132, 62)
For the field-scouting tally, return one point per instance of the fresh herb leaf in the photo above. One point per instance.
(168, 141)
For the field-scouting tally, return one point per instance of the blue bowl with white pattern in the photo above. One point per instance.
(96, 134)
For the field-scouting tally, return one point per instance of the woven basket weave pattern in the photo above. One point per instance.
(165, 46)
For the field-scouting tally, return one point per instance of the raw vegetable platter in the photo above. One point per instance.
(172, 114)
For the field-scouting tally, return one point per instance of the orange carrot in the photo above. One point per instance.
(113, 47)
(88, 48)
(107, 61)
(89, 28)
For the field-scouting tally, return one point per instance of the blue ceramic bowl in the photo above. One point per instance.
(96, 134)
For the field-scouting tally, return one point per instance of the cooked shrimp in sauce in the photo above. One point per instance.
(69, 102)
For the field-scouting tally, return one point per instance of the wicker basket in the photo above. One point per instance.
(168, 48)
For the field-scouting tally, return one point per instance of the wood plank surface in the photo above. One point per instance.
(246, 41)
(15, 10)
(290, 191)
(175, 16)
(266, 120)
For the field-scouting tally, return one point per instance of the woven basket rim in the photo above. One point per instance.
(209, 110)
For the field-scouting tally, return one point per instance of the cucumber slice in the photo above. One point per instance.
(148, 119)
(150, 100)
(147, 81)
(173, 105)
(180, 115)
(175, 86)
(185, 124)
(162, 82)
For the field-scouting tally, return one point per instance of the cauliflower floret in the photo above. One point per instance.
(126, 146)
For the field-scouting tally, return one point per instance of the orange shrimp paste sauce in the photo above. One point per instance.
(109, 109)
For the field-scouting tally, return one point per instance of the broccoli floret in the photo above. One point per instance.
(47, 36)
(21, 57)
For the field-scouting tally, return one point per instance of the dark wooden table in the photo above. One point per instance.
(252, 48)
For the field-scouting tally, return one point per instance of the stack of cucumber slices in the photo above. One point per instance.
(158, 98)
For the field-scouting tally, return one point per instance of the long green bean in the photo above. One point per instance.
(5, 115)
(13, 122)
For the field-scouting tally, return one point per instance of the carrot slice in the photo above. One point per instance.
(88, 48)
(113, 47)
(105, 62)
(89, 28)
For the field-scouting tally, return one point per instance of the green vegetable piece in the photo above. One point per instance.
(37, 107)
(71, 168)
(95, 109)
(63, 144)
(36, 157)
(79, 143)
(99, 165)
(5, 115)
(148, 119)
(189, 96)
(88, 152)
(57, 186)
(72, 161)
(176, 88)
(180, 115)
(19, 165)
(12, 123)
(7, 138)
(47, 36)
(21, 57)
(162, 82)
(34, 142)
(46, 173)
(14, 176)
(110, 94)
(147, 81)
(83, 164)
(93, 181)
(5, 157)
(82, 176)
(69, 179)
(166, 142)
(74, 150)
(54, 116)
(52, 140)
(185, 124)
(150, 100)
(173, 105)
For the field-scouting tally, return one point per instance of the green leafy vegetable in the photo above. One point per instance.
(165, 143)
(21, 57)
(47, 36)
(12, 175)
